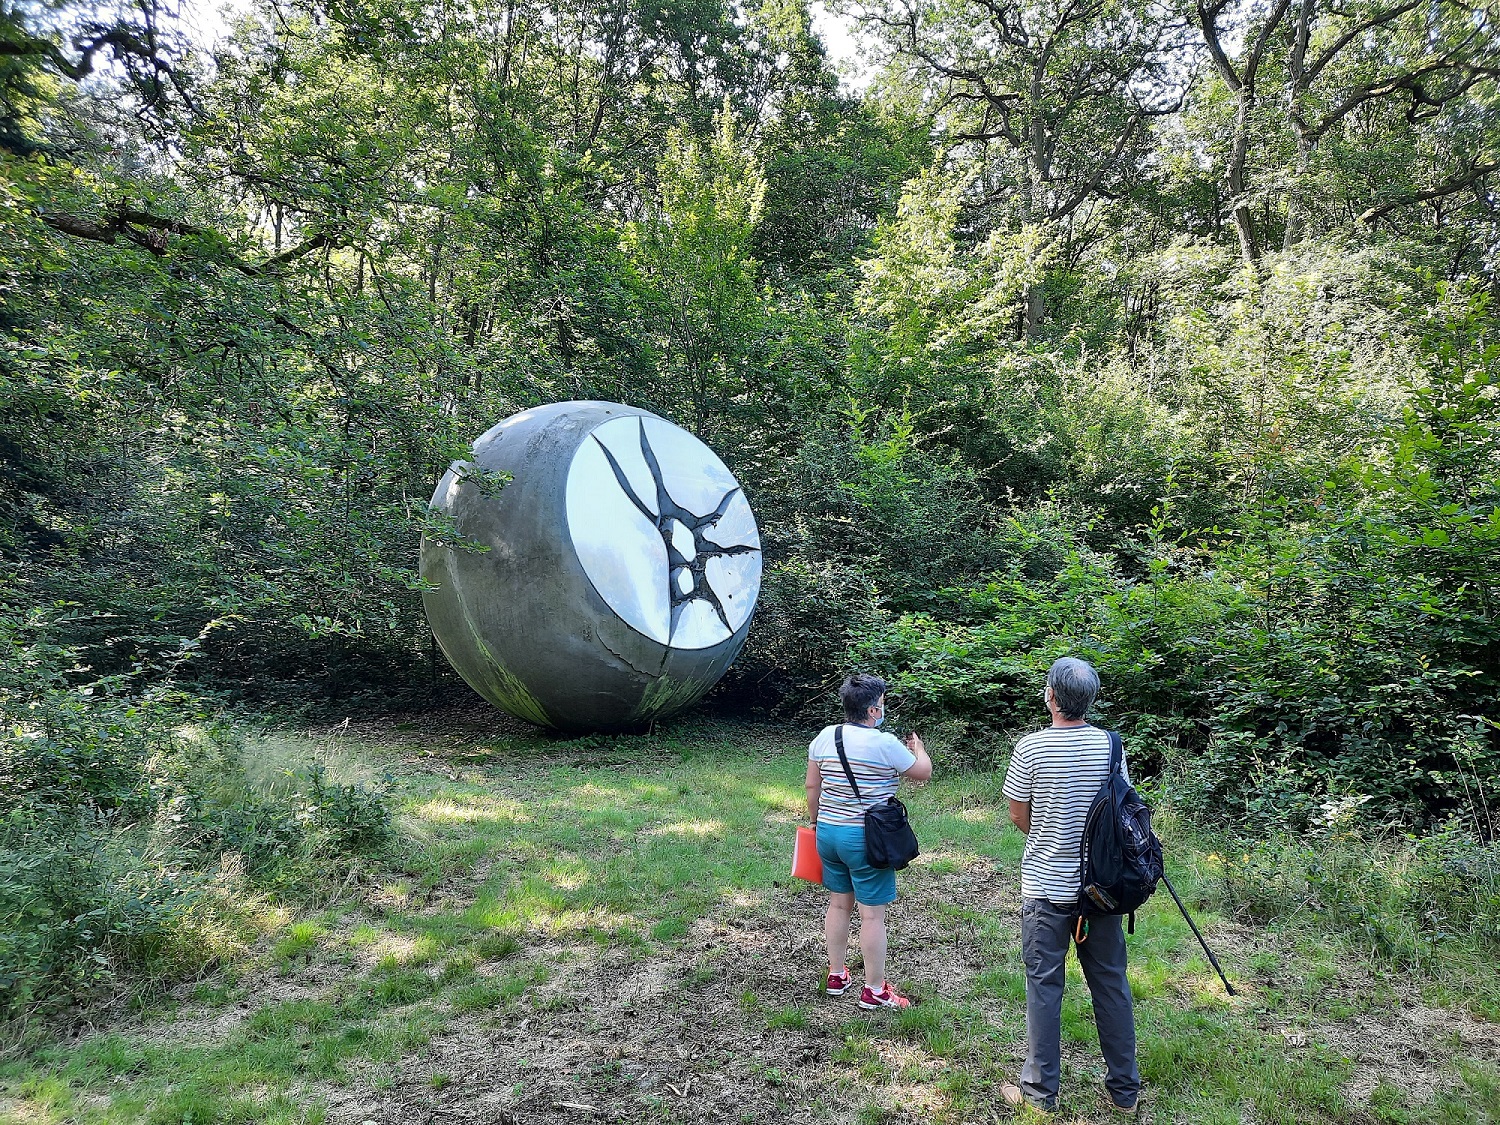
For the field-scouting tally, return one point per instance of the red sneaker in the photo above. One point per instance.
(887, 997)
(838, 983)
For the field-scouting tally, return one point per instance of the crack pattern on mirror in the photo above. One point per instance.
(687, 554)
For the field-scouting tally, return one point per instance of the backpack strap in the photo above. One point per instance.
(1116, 764)
(838, 744)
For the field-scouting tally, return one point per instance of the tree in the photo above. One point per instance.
(834, 164)
(692, 251)
(1328, 59)
(1055, 96)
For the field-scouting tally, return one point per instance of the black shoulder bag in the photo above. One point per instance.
(889, 840)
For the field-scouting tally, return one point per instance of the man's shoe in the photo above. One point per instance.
(1126, 1110)
(887, 997)
(1011, 1095)
(838, 983)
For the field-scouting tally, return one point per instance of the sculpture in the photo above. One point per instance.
(617, 572)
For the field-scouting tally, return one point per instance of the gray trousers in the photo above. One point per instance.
(1046, 932)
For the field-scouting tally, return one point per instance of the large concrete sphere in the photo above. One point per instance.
(621, 570)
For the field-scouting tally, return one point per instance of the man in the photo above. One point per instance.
(1053, 778)
(878, 761)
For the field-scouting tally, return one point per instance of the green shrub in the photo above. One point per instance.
(1405, 898)
(53, 907)
(116, 812)
(79, 899)
(983, 659)
(353, 818)
(263, 831)
(1294, 664)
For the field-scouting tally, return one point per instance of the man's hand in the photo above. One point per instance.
(914, 743)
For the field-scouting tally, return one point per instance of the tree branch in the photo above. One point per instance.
(1412, 83)
(1076, 200)
(149, 232)
(123, 41)
(1353, 33)
(1273, 21)
(1208, 16)
(271, 265)
(1450, 187)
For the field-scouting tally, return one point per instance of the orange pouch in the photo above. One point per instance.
(806, 863)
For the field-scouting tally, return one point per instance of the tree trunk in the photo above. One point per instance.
(1296, 208)
(1040, 171)
(1243, 86)
(1244, 221)
(1036, 309)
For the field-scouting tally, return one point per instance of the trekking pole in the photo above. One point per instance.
(1212, 959)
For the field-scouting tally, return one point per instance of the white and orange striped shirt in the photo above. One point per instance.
(877, 760)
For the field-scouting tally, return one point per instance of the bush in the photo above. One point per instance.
(352, 818)
(1333, 634)
(53, 903)
(117, 813)
(1297, 661)
(1406, 898)
(864, 518)
(983, 658)
(77, 900)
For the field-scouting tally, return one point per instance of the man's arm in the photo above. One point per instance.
(1020, 815)
(814, 787)
(1018, 784)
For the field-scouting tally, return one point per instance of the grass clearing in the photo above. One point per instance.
(610, 923)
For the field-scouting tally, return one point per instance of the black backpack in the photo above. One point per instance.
(889, 841)
(1120, 862)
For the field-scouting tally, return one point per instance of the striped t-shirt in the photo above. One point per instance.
(1059, 770)
(877, 760)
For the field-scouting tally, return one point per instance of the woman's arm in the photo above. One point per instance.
(814, 788)
(921, 769)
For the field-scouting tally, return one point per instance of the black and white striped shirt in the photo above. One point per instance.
(1059, 770)
(877, 759)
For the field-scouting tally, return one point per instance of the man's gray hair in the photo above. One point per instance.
(1074, 685)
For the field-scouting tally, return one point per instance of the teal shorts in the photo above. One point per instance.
(841, 847)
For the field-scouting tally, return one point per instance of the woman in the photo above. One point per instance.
(877, 760)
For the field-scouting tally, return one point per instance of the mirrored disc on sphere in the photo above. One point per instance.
(650, 508)
(610, 582)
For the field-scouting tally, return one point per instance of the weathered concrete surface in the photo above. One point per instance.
(522, 622)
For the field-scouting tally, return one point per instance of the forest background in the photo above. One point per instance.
(1163, 334)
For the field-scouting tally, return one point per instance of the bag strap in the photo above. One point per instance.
(1116, 762)
(838, 744)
